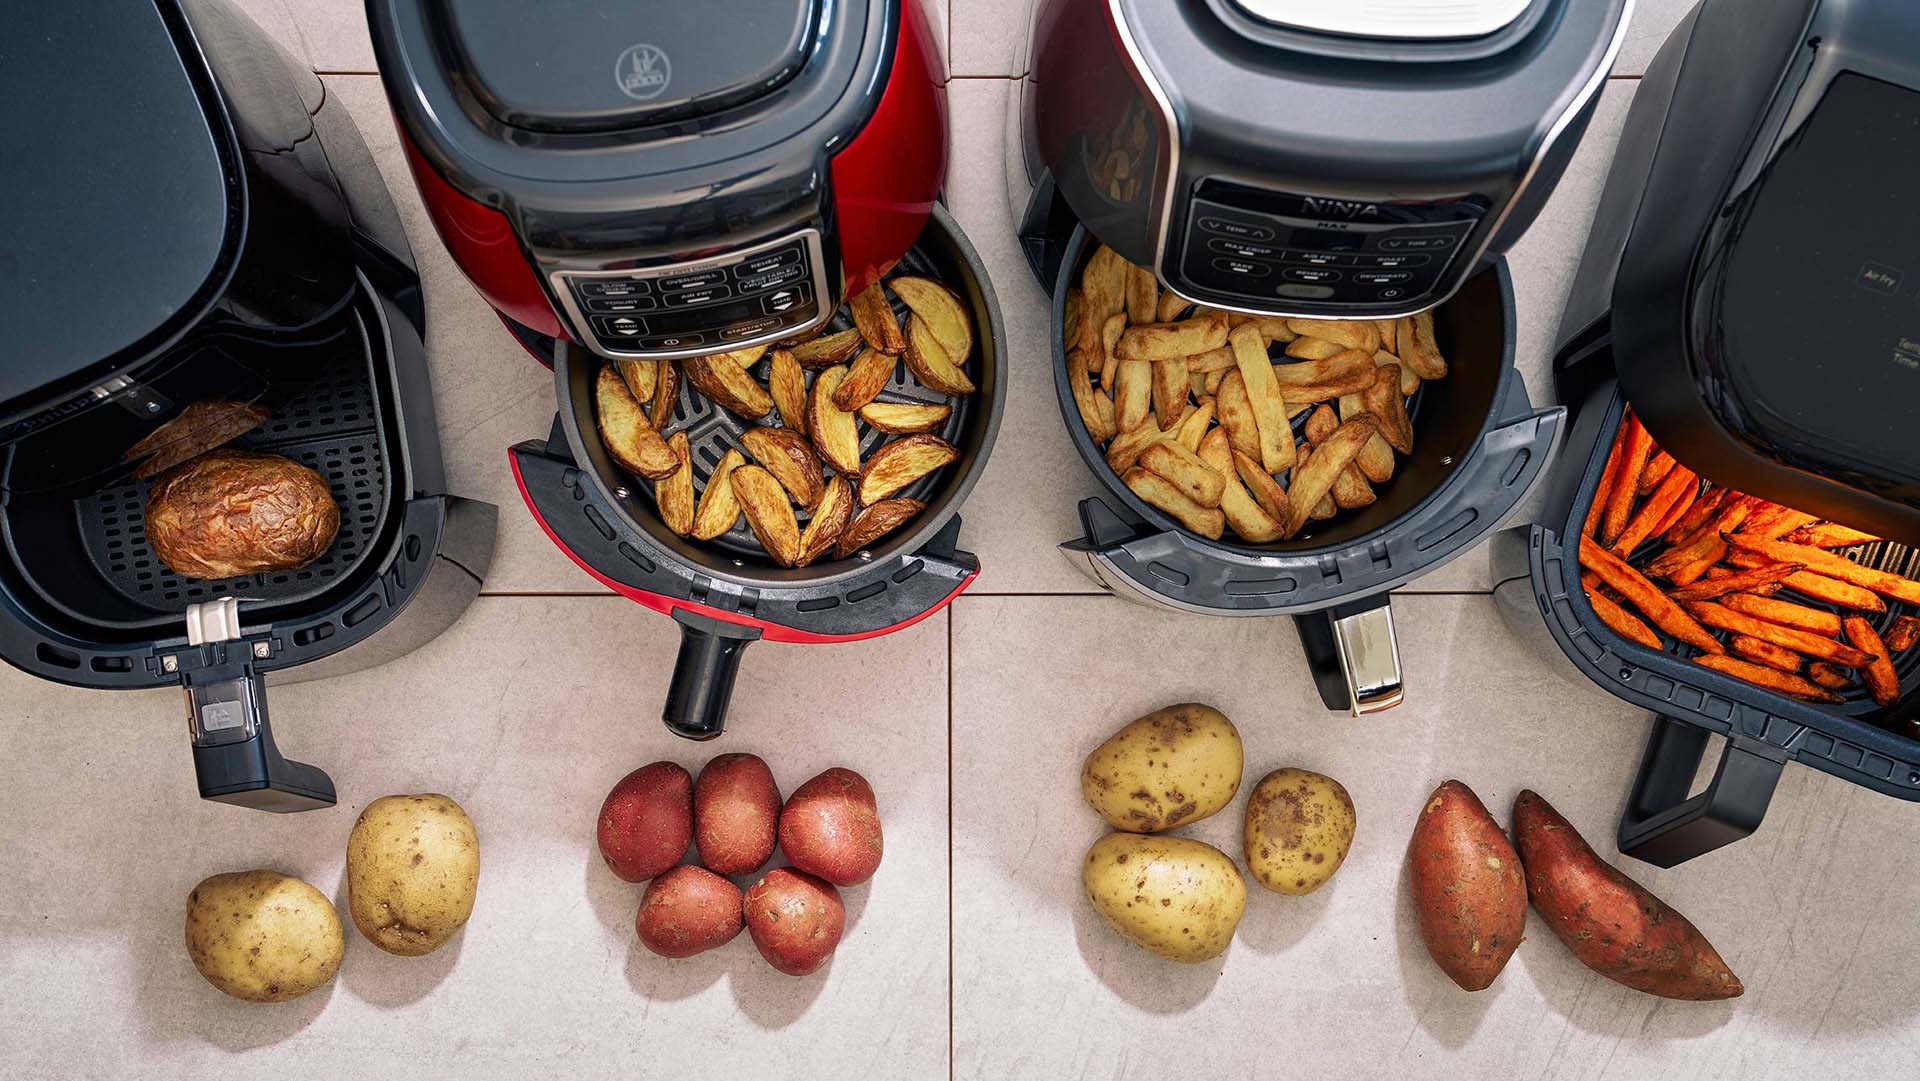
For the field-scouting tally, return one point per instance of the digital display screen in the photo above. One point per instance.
(1329, 239)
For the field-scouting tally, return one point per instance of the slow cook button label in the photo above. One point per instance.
(610, 287)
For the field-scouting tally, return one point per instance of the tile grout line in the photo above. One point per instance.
(952, 1064)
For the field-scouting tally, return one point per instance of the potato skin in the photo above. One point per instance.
(1610, 922)
(688, 910)
(1469, 889)
(233, 512)
(413, 867)
(1299, 827)
(1171, 767)
(796, 919)
(1172, 896)
(646, 822)
(262, 936)
(736, 814)
(830, 827)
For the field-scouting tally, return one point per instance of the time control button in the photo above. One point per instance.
(1242, 267)
(772, 260)
(672, 341)
(610, 287)
(1242, 230)
(1393, 262)
(689, 297)
(768, 279)
(784, 300)
(1243, 249)
(1383, 277)
(749, 329)
(1304, 292)
(1316, 258)
(1415, 243)
(694, 281)
(617, 305)
(1311, 274)
(618, 326)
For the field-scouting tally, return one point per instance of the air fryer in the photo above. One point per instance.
(255, 255)
(1757, 194)
(1326, 161)
(620, 181)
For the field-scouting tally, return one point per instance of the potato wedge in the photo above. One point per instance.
(874, 522)
(666, 394)
(828, 349)
(639, 376)
(1185, 470)
(1244, 514)
(1375, 460)
(1193, 425)
(747, 357)
(1421, 351)
(1265, 490)
(1104, 282)
(1320, 424)
(718, 509)
(1072, 318)
(1314, 480)
(769, 513)
(1143, 295)
(727, 385)
(1347, 333)
(867, 376)
(908, 418)
(674, 494)
(1263, 394)
(1213, 360)
(873, 317)
(787, 386)
(930, 363)
(1389, 331)
(1166, 341)
(1314, 349)
(1170, 389)
(790, 458)
(1159, 492)
(901, 462)
(1170, 307)
(633, 443)
(946, 317)
(1110, 332)
(830, 518)
(1384, 400)
(832, 429)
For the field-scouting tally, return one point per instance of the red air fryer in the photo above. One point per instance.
(671, 181)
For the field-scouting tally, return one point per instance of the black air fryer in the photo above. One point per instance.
(1343, 161)
(1750, 289)
(207, 224)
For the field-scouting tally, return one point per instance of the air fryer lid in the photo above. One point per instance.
(674, 61)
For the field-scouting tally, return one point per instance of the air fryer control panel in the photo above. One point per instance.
(743, 298)
(1268, 250)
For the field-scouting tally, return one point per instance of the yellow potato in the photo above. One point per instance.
(1173, 766)
(263, 936)
(413, 864)
(1172, 896)
(1299, 828)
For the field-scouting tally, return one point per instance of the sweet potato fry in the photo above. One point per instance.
(1719, 615)
(1761, 676)
(1627, 484)
(1903, 634)
(1624, 623)
(1761, 651)
(1657, 469)
(1829, 535)
(1263, 394)
(1684, 563)
(1313, 480)
(1644, 595)
(1785, 613)
(1707, 589)
(1829, 676)
(1771, 520)
(1767, 590)
(1646, 520)
(1883, 683)
(1702, 511)
(1819, 586)
(1609, 478)
(1680, 507)
(1821, 561)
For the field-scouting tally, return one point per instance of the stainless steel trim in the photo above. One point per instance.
(1370, 657)
(217, 620)
(583, 327)
(1555, 130)
(1401, 19)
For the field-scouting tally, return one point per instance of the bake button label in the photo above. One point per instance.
(1879, 278)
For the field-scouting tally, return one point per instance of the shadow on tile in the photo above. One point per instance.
(174, 1007)
(1172, 988)
(388, 980)
(1447, 1013)
(1274, 922)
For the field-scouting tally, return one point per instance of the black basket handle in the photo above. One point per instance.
(703, 674)
(1663, 826)
(234, 757)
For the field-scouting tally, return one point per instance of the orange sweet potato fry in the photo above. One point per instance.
(1770, 678)
(1609, 478)
(1821, 561)
(1761, 651)
(1624, 623)
(1647, 519)
(1627, 485)
(1644, 595)
(1680, 508)
(1903, 634)
(1829, 676)
(1738, 582)
(1657, 469)
(1785, 613)
(1719, 615)
(1771, 520)
(1883, 683)
(1829, 535)
(1702, 511)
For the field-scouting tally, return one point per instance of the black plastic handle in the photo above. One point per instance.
(1665, 827)
(234, 757)
(703, 674)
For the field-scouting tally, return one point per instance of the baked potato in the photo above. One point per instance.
(235, 512)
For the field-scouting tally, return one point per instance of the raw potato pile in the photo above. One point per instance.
(1196, 415)
(812, 457)
(1725, 556)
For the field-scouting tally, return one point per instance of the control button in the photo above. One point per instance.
(772, 260)
(672, 341)
(1390, 293)
(617, 305)
(618, 326)
(771, 278)
(1243, 249)
(748, 330)
(1241, 267)
(1311, 274)
(694, 281)
(1316, 258)
(1236, 229)
(1879, 278)
(1383, 277)
(690, 297)
(784, 300)
(1305, 292)
(1415, 243)
(609, 287)
(1393, 262)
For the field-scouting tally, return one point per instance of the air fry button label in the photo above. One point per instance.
(1879, 278)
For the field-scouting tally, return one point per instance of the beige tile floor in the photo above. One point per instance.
(971, 954)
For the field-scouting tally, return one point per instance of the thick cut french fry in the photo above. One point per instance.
(1320, 424)
(1829, 676)
(1719, 615)
(1644, 595)
(718, 509)
(1143, 295)
(1409, 382)
(1213, 360)
(1620, 500)
(1165, 341)
(1350, 372)
(1157, 491)
(1383, 399)
(1197, 384)
(1708, 588)
(1214, 379)
(1657, 469)
(1263, 395)
(1185, 470)
(1260, 484)
(1096, 409)
(1389, 330)
(1346, 333)
(1883, 683)
(1103, 282)
(1245, 516)
(1645, 521)
(1761, 651)
(1132, 394)
(1169, 389)
(1073, 325)
(674, 494)
(1829, 535)
(787, 385)
(1818, 586)
(1171, 307)
(1126, 447)
(1421, 352)
(1624, 623)
(1314, 349)
(1313, 480)
(1110, 332)
(1785, 613)
(1821, 561)
(1609, 477)
(1761, 676)
(1904, 633)
(1273, 328)
(1193, 424)
(1376, 460)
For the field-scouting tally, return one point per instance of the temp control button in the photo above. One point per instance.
(690, 297)
(784, 300)
(1311, 274)
(618, 326)
(609, 287)
(1242, 267)
(1242, 230)
(693, 281)
(1415, 243)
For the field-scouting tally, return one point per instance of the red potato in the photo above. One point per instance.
(1468, 887)
(1610, 922)
(795, 919)
(831, 827)
(688, 910)
(647, 821)
(736, 812)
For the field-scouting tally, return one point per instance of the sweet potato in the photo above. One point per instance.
(1627, 484)
(1881, 680)
(1468, 888)
(1612, 924)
